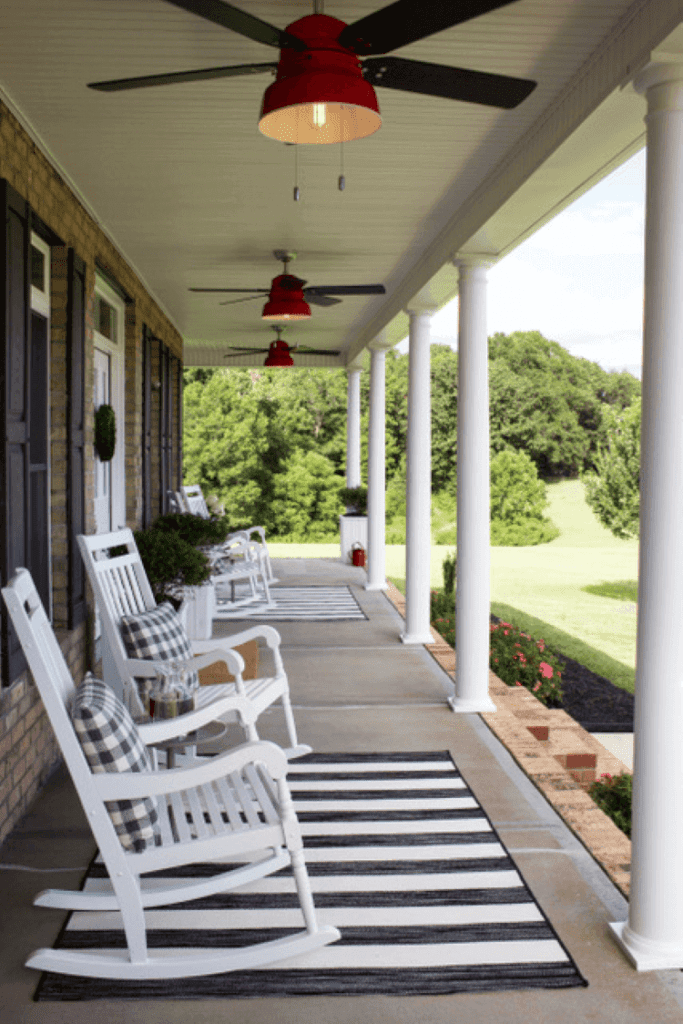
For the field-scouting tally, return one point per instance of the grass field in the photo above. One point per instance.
(547, 581)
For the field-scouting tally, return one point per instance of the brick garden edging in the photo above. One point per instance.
(556, 754)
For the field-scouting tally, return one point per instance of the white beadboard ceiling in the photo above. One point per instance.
(194, 195)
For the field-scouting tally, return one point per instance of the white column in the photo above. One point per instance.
(353, 428)
(473, 589)
(418, 482)
(652, 938)
(376, 474)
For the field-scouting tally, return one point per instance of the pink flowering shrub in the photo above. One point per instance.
(519, 660)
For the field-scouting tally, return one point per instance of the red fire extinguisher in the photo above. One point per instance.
(358, 555)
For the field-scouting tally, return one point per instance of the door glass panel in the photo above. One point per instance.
(37, 269)
(106, 319)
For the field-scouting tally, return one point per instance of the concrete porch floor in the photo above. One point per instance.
(355, 687)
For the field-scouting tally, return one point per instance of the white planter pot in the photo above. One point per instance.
(353, 530)
(198, 610)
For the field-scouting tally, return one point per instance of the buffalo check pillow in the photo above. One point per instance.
(111, 743)
(158, 635)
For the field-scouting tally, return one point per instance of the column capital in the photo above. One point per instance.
(661, 73)
(381, 342)
(474, 259)
(353, 368)
(418, 308)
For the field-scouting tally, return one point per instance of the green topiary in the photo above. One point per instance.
(105, 433)
(194, 529)
(171, 563)
(356, 499)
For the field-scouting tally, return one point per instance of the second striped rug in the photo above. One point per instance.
(402, 859)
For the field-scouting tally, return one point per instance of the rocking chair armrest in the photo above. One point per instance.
(149, 667)
(267, 633)
(133, 785)
(170, 728)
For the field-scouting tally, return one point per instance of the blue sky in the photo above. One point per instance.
(579, 279)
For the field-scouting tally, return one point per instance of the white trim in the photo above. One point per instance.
(115, 349)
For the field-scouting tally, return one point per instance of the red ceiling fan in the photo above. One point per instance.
(279, 352)
(288, 296)
(323, 92)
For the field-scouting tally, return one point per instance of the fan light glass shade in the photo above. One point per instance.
(278, 355)
(321, 121)
(286, 309)
(319, 95)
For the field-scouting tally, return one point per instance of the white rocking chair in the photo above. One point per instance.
(194, 501)
(121, 588)
(233, 805)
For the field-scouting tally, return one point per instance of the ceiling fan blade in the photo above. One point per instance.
(305, 351)
(232, 302)
(261, 291)
(239, 21)
(243, 351)
(320, 300)
(175, 77)
(346, 289)
(450, 83)
(406, 22)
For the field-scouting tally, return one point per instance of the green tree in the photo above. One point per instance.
(516, 491)
(613, 490)
(306, 503)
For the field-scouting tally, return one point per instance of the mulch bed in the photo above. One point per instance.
(591, 700)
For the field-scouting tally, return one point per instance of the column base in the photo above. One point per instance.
(644, 954)
(468, 706)
(417, 638)
(376, 586)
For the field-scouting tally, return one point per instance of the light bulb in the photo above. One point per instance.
(319, 115)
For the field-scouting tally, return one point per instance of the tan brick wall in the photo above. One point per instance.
(27, 750)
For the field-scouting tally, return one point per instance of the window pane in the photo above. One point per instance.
(37, 269)
(106, 319)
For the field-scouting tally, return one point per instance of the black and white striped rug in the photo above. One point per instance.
(294, 604)
(402, 859)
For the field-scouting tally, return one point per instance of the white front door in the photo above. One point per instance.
(102, 396)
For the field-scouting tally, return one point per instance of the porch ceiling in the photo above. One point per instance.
(193, 195)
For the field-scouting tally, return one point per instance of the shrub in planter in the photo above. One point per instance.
(448, 569)
(355, 499)
(105, 433)
(171, 563)
(614, 795)
(519, 660)
(194, 529)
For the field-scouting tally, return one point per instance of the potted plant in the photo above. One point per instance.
(353, 524)
(180, 573)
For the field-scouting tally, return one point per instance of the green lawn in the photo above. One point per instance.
(546, 582)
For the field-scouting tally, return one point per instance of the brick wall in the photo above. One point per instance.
(28, 753)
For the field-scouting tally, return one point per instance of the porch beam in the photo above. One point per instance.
(418, 480)
(473, 587)
(377, 471)
(652, 937)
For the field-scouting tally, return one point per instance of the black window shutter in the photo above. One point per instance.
(178, 433)
(146, 427)
(14, 406)
(75, 349)
(165, 428)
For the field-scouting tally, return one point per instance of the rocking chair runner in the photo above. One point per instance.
(234, 805)
(122, 589)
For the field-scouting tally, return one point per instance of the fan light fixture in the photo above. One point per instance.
(278, 354)
(320, 95)
(286, 300)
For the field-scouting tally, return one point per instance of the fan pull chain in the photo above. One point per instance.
(341, 184)
(297, 192)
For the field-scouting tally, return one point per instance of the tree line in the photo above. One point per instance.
(271, 444)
